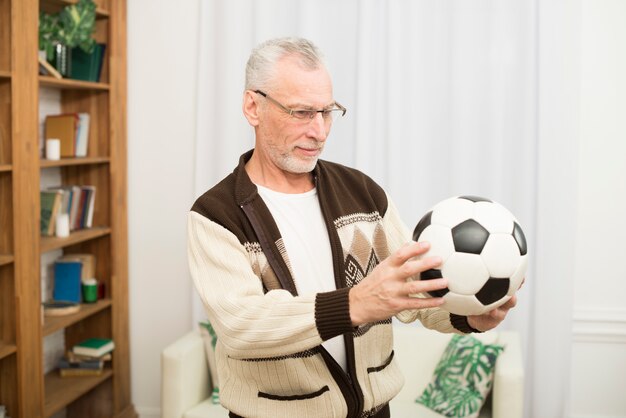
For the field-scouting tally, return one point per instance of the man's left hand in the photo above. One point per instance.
(492, 318)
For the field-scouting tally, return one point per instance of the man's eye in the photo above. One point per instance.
(304, 114)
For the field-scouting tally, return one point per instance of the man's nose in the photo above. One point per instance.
(318, 127)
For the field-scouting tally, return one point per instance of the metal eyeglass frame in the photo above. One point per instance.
(327, 114)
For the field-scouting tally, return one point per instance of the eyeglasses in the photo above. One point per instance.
(307, 114)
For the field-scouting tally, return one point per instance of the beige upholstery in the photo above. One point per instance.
(185, 375)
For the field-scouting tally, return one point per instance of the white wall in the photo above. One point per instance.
(599, 350)
(161, 119)
(162, 40)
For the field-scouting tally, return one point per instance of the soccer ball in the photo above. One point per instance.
(483, 249)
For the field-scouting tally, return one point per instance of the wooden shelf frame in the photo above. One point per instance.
(25, 388)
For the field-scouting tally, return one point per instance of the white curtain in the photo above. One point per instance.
(442, 99)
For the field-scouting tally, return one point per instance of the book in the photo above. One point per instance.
(94, 347)
(73, 362)
(67, 279)
(82, 135)
(63, 127)
(87, 66)
(80, 372)
(50, 201)
(87, 261)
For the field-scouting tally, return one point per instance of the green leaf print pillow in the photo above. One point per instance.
(462, 379)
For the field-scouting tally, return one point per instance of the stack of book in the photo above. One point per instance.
(86, 358)
(77, 202)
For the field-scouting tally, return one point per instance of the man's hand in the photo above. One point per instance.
(385, 291)
(492, 318)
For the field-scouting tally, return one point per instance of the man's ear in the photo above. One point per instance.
(250, 108)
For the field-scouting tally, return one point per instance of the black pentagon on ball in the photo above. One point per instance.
(520, 239)
(434, 274)
(493, 291)
(469, 237)
(475, 198)
(422, 225)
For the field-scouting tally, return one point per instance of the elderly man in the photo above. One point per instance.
(302, 263)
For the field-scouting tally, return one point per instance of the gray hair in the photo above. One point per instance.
(263, 59)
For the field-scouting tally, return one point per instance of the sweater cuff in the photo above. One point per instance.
(332, 313)
(460, 322)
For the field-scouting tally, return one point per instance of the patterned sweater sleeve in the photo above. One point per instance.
(249, 322)
(432, 318)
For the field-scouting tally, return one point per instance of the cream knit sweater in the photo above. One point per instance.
(269, 354)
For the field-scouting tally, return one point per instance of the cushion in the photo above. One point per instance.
(210, 339)
(462, 379)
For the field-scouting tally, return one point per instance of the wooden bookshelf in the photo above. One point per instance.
(25, 389)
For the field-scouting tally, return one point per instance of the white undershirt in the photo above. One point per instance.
(300, 222)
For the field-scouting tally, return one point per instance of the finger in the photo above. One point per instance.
(408, 251)
(412, 268)
(511, 303)
(424, 286)
(422, 303)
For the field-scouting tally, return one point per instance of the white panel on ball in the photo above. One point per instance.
(501, 255)
(494, 217)
(440, 240)
(466, 273)
(462, 304)
(452, 212)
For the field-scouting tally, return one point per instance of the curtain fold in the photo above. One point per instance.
(442, 100)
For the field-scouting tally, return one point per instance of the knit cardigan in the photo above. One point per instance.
(270, 361)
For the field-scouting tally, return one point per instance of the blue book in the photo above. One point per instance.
(67, 275)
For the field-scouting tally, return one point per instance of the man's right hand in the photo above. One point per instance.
(385, 291)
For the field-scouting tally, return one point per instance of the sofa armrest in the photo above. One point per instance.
(508, 385)
(184, 375)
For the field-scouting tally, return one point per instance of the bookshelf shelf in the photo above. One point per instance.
(64, 162)
(54, 6)
(54, 323)
(76, 237)
(5, 167)
(67, 83)
(5, 259)
(6, 350)
(61, 391)
(5, 74)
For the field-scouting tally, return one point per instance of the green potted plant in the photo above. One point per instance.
(72, 27)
